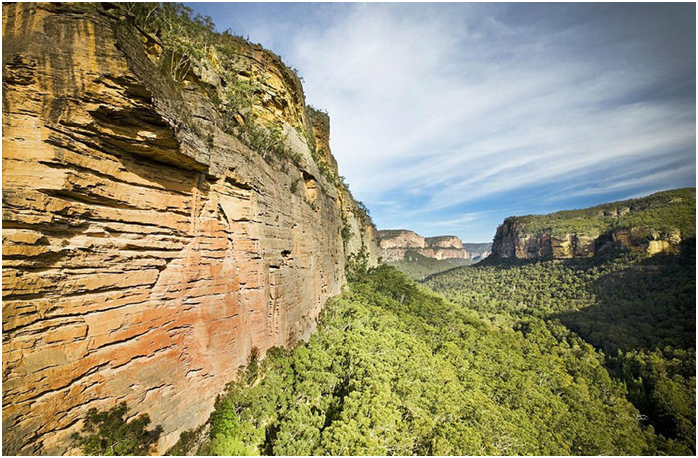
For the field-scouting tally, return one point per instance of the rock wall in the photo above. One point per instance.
(658, 223)
(512, 240)
(444, 241)
(394, 244)
(478, 251)
(145, 250)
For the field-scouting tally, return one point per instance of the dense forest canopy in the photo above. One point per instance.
(396, 369)
(638, 311)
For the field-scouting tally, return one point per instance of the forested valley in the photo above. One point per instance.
(580, 357)
(584, 356)
(637, 311)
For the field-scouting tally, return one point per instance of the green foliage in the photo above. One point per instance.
(237, 99)
(108, 433)
(187, 443)
(186, 37)
(357, 265)
(396, 370)
(662, 384)
(346, 232)
(269, 142)
(639, 309)
(362, 212)
(251, 371)
(294, 185)
(665, 212)
(418, 267)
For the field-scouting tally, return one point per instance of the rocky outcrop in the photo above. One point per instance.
(654, 224)
(646, 239)
(445, 242)
(146, 251)
(511, 242)
(320, 122)
(395, 244)
(478, 251)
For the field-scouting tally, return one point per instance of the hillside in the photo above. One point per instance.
(396, 370)
(637, 309)
(418, 267)
(653, 224)
(169, 204)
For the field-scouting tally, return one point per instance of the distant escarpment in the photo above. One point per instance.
(397, 244)
(170, 203)
(653, 224)
(478, 251)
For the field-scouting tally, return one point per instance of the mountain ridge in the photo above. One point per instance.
(395, 243)
(655, 223)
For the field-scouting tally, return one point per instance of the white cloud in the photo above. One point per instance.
(459, 105)
(440, 105)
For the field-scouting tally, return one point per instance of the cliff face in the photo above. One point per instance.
(478, 251)
(653, 224)
(394, 244)
(512, 242)
(145, 250)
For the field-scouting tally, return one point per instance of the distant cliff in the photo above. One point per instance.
(397, 244)
(478, 251)
(169, 204)
(653, 224)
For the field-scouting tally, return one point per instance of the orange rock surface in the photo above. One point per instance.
(142, 261)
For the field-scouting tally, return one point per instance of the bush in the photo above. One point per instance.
(357, 265)
(108, 433)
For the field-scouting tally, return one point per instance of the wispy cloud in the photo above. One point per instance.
(441, 111)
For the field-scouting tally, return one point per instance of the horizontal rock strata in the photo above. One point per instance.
(395, 244)
(512, 240)
(146, 251)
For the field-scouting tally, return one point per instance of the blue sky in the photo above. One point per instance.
(447, 118)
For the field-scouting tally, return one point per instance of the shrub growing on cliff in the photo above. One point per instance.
(189, 41)
(357, 265)
(108, 433)
(346, 232)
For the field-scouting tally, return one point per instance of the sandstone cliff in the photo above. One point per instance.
(653, 224)
(478, 251)
(151, 237)
(395, 244)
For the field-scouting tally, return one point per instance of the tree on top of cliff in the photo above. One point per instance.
(664, 211)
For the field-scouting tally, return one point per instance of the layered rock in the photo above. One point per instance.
(395, 244)
(654, 224)
(512, 242)
(320, 122)
(145, 250)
